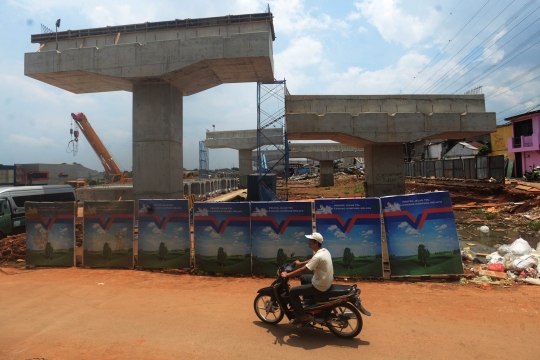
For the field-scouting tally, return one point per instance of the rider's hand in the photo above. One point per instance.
(297, 262)
(284, 274)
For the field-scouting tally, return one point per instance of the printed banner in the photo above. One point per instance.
(421, 234)
(108, 233)
(352, 233)
(50, 233)
(277, 233)
(164, 237)
(222, 238)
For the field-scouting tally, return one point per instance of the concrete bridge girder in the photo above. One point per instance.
(382, 123)
(244, 141)
(160, 65)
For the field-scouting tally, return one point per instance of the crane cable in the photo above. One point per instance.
(73, 144)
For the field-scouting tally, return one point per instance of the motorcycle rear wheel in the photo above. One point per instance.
(267, 309)
(345, 321)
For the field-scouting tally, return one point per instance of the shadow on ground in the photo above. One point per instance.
(308, 338)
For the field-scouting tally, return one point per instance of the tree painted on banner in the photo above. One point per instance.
(48, 251)
(348, 257)
(423, 254)
(281, 256)
(107, 251)
(163, 250)
(221, 256)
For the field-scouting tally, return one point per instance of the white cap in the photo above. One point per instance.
(316, 236)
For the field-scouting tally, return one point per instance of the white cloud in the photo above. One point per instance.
(392, 207)
(215, 235)
(178, 230)
(28, 141)
(394, 23)
(301, 234)
(238, 234)
(442, 227)
(208, 228)
(340, 234)
(96, 226)
(402, 225)
(157, 230)
(268, 229)
(201, 212)
(324, 210)
(259, 212)
(294, 62)
(412, 231)
(362, 30)
(367, 233)
(332, 228)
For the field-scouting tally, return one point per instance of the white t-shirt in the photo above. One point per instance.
(323, 270)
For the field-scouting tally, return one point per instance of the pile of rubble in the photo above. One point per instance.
(510, 263)
(13, 248)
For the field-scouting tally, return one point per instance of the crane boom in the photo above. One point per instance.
(114, 174)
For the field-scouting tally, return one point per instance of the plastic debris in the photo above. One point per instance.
(496, 267)
(524, 262)
(503, 250)
(532, 281)
(468, 255)
(484, 229)
(520, 247)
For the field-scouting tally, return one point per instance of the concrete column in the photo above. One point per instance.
(384, 170)
(245, 166)
(157, 141)
(186, 189)
(326, 177)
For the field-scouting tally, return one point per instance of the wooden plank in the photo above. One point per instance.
(40, 47)
(521, 187)
(117, 38)
(82, 43)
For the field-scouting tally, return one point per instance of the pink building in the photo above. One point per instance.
(525, 141)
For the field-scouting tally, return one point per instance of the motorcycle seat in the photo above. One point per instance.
(334, 291)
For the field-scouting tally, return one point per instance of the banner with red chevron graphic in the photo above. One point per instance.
(164, 236)
(352, 233)
(421, 234)
(278, 232)
(50, 233)
(221, 237)
(108, 233)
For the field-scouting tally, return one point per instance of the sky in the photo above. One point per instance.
(321, 48)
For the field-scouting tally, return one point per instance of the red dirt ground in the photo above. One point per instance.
(118, 314)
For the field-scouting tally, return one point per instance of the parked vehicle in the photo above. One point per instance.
(338, 309)
(533, 175)
(12, 201)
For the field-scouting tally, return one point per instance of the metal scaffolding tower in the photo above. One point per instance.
(271, 114)
(204, 160)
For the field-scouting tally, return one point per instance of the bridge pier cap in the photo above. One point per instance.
(160, 62)
(382, 123)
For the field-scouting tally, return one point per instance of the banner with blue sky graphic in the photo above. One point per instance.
(164, 237)
(421, 234)
(222, 237)
(351, 229)
(108, 233)
(278, 232)
(50, 233)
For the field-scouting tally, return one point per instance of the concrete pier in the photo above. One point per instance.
(244, 141)
(324, 153)
(382, 123)
(160, 63)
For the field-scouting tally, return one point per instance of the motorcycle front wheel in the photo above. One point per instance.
(267, 309)
(345, 321)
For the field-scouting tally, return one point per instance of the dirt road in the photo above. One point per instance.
(121, 314)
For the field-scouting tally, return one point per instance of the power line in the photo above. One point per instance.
(509, 21)
(432, 35)
(492, 20)
(494, 96)
(449, 41)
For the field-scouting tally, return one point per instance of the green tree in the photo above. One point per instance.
(423, 254)
(162, 251)
(292, 256)
(48, 251)
(348, 257)
(221, 256)
(484, 149)
(281, 256)
(107, 251)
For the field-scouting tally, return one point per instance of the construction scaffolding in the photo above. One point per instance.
(204, 160)
(271, 114)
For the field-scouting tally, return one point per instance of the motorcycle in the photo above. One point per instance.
(533, 175)
(338, 308)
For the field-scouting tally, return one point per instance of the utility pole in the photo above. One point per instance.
(57, 26)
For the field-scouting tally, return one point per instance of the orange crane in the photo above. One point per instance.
(114, 174)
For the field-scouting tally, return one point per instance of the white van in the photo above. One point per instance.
(12, 201)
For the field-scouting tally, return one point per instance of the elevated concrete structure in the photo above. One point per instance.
(244, 141)
(324, 153)
(382, 123)
(160, 63)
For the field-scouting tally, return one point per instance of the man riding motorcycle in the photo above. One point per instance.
(319, 282)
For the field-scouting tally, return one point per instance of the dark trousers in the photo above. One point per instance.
(305, 289)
